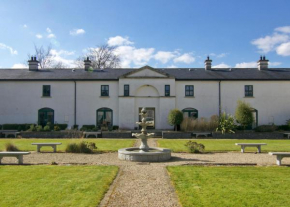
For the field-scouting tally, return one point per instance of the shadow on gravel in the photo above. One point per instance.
(180, 159)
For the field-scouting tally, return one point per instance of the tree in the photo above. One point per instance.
(175, 118)
(244, 115)
(103, 56)
(46, 58)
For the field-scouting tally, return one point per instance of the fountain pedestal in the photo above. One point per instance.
(144, 153)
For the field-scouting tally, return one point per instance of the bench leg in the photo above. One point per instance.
(54, 148)
(38, 148)
(20, 159)
(259, 149)
(243, 149)
(279, 159)
(0, 160)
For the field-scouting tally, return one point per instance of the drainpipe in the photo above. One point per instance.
(75, 106)
(220, 107)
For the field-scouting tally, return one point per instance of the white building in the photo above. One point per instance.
(115, 96)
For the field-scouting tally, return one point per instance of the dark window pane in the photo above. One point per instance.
(167, 90)
(126, 90)
(104, 90)
(189, 90)
(46, 90)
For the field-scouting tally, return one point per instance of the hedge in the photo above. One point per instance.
(19, 127)
(61, 126)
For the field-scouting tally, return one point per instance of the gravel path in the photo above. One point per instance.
(146, 184)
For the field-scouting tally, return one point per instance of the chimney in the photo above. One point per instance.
(33, 64)
(207, 63)
(88, 63)
(263, 63)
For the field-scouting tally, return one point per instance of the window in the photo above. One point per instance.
(126, 90)
(104, 90)
(167, 90)
(190, 113)
(248, 91)
(104, 117)
(46, 90)
(189, 90)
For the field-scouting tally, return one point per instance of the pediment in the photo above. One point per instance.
(146, 72)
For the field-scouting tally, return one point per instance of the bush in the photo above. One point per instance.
(39, 128)
(115, 127)
(32, 128)
(175, 118)
(283, 128)
(82, 147)
(60, 126)
(0, 127)
(19, 127)
(200, 124)
(194, 147)
(87, 127)
(56, 128)
(266, 128)
(226, 124)
(10, 147)
(244, 115)
(46, 128)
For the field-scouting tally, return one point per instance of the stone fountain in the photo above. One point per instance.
(144, 153)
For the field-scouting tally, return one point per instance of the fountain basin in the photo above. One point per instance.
(154, 154)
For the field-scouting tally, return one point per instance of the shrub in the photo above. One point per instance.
(10, 147)
(60, 126)
(115, 127)
(0, 127)
(200, 124)
(39, 128)
(194, 147)
(53, 163)
(283, 127)
(56, 128)
(19, 127)
(82, 147)
(87, 127)
(244, 115)
(46, 128)
(266, 128)
(226, 124)
(32, 128)
(175, 118)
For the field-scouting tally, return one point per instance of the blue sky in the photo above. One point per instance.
(159, 33)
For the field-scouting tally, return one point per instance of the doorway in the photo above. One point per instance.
(104, 117)
(150, 117)
(45, 115)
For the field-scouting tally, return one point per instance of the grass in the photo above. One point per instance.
(104, 145)
(231, 186)
(54, 185)
(225, 145)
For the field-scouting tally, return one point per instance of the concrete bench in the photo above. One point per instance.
(244, 145)
(53, 145)
(280, 156)
(9, 132)
(206, 134)
(18, 155)
(287, 134)
(86, 134)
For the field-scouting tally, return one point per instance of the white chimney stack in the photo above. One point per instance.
(88, 63)
(207, 63)
(33, 64)
(263, 63)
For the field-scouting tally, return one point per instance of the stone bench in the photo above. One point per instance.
(18, 155)
(53, 145)
(206, 134)
(86, 134)
(287, 134)
(9, 132)
(280, 156)
(244, 145)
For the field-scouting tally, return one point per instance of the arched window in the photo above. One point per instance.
(45, 115)
(190, 112)
(105, 117)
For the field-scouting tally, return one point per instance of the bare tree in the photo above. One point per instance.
(46, 58)
(104, 56)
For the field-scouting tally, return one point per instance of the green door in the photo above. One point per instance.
(45, 115)
(104, 117)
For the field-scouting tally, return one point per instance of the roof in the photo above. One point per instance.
(115, 74)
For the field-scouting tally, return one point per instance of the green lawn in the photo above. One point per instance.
(54, 185)
(225, 145)
(102, 144)
(231, 186)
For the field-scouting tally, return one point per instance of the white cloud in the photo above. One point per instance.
(19, 66)
(12, 51)
(77, 32)
(246, 65)
(185, 58)
(274, 63)
(62, 52)
(48, 30)
(268, 43)
(285, 29)
(222, 65)
(164, 57)
(283, 49)
(24, 26)
(118, 40)
(221, 55)
(58, 57)
(51, 36)
(39, 36)
(172, 66)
